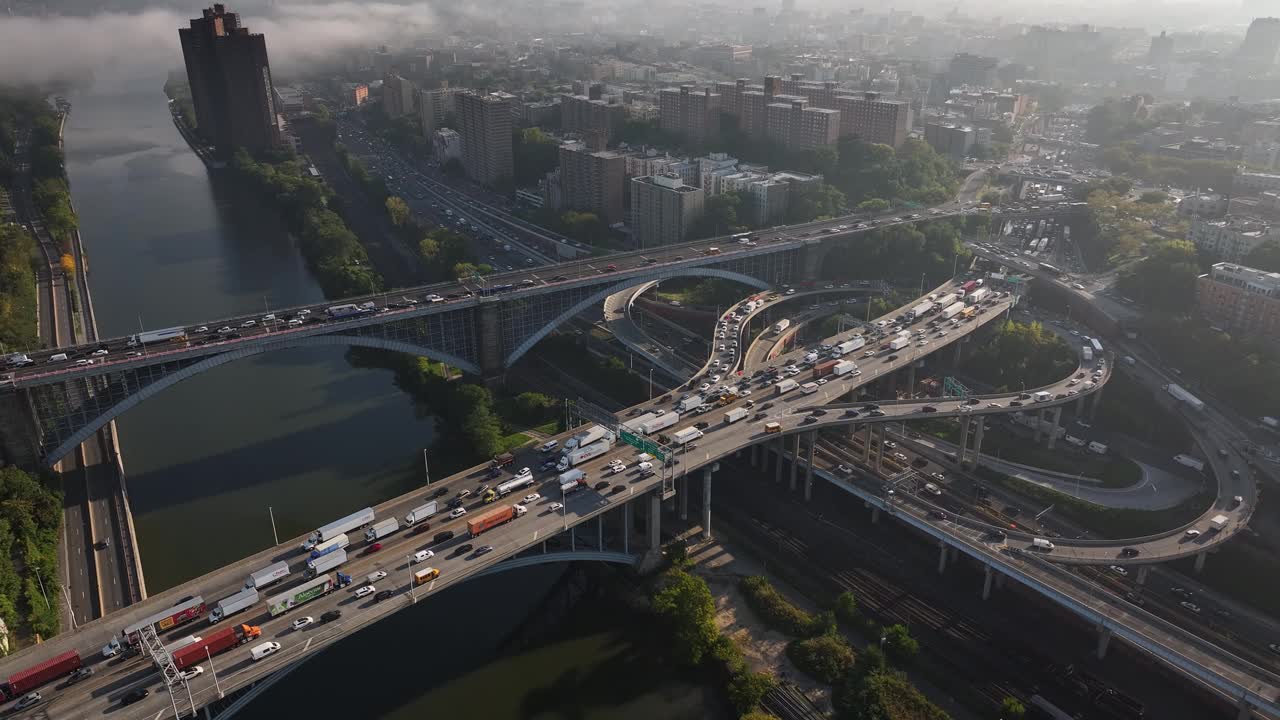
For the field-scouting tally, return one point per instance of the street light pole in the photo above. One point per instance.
(213, 670)
(274, 534)
(42, 592)
(650, 383)
(426, 467)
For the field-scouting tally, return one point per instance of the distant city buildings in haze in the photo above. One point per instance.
(230, 81)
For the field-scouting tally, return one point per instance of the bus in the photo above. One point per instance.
(1097, 345)
(1050, 268)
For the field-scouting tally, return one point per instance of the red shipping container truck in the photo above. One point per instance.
(824, 369)
(37, 675)
(491, 520)
(224, 639)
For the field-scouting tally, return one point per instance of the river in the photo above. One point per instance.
(305, 434)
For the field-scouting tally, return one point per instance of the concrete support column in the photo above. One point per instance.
(795, 459)
(875, 515)
(866, 445)
(986, 582)
(1143, 571)
(626, 528)
(1053, 434)
(777, 469)
(1093, 405)
(942, 557)
(1245, 710)
(754, 460)
(981, 427)
(1200, 558)
(1039, 422)
(684, 497)
(911, 380)
(964, 440)
(880, 450)
(999, 581)
(956, 360)
(706, 503)
(1080, 405)
(600, 532)
(655, 520)
(1104, 639)
(808, 467)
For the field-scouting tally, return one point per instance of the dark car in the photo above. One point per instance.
(1135, 599)
(1024, 396)
(462, 549)
(484, 550)
(79, 675)
(455, 502)
(850, 413)
(102, 544)
(443, 536)
(891, 358)
(809, 420)
(383, 595)
(617, 489)
(760, 416)
(134, 696)
(330, 616)
(819, 412)
(937, 515)
(371, 549)
(440, 491)
(1128, 552)
(766, 406)
(602, 485)
(1015, 403)
(559, 278)
(1183, 593)
(870, 406)
(997, 535)
(419, 528)
(702, 424)
(928, 408)
(876, 413)
(972, 401)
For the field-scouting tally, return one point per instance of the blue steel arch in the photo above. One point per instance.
(213, 361)
(599, 296)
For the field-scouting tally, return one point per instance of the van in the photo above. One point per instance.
(57, 357)
(773, 427)
(645, 468)
(643, 458)
(1042, 545)
(264, 650)
(548, 446)
(443, 536)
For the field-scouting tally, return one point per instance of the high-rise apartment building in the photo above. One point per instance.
(398, 96)
(230, 80)
(1241, 299)
(693, 114)
(484, 121)
(580, 113)
(950, 140)
(800, 127)
(863, 115)
(663, 209)
(1161, 50)
(867, 117)
(969, 69)
(435, 105)
(1261, 43)
(593, 181)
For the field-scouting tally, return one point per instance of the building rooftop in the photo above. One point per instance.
(1252, 279)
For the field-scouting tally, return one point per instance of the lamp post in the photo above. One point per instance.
(272, 514)
(213, 670)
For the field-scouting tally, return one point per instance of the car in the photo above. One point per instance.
(937, 515)
(440, 492)
(1118, 570)
(192, 673)
(553, 507)
(330, 616)
(248, 323)
(1182, 592)
(131, 697)
(1192, 533)
(891, 358)
(1134, 599)
(850, 413)
(1190, 606)
(1128, 552)
(994, 405)
(844, 469)
(79, 675)
(224, 329)
(602, 485)
(532, 498)
(484, 550)
(102, 544)
(365, 590)
(1274, 648)
(809, 420)
(997, 535)
(372, 549)
(303, 622)
(817, 412)
(876, 413)
(462, 494)
(376, 575)
(928, 409)
(457, 512)
(383, 595)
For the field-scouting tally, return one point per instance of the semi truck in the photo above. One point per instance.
(571, 480)
(781, 326)
(300, 595)
(420, 513)
(1218, 522)
(1181, 395)
(693, 402)
(977, 296)
(968, 287)
(946, 300)
(848, 346)
(325, 563)
(919, 310)
(381, 530)
(351, 522)
(215, 643)
(1191, 462)
(899, 342)
(275, 572)
(338, 543)
(180, 614)
(342, 311)
(735, 415)
(635, 424)
(685, 436)
(588, 436)
(824, 369)
(1086, 352)
(523, 480)
(494, 518)
(786, 386)
(952, 310)
(41, 673)
(232, 604)
(664, 421)
(844, 367)
(153, 337)
(583, 454)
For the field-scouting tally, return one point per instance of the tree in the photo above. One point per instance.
(397, 210)
(826, 657)
(1167, 279)
(465, 270)
(991, 196)
(883, 696)
(1266, 256)
(1153, 197)
(899, 646)
(68, 264)
(1011, 708)
(684, 602)
(746, 689)
(870, 660)
(812, 201)
(533, 155)
(584, 227)
(428, 249)
(847, 607)
(872, 205)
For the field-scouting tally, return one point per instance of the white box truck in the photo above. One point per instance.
(952, 310)
(571, 480)
(1042, 545)
(735, 415)
(420, 513)
(588, 436)
(583, 454)
(381, 530)
(273, 573)
(848, 346)
(844, 367)
(1218, 522)
(899, 342)
(977, 296)
(634, 424)
(325, 563)
(946, 300)
(919, 310)
(1043, 396)
(781, 326)
(809, 388)
(686, 435)
(693, 402)
(232, 604)
(347, 524)
(785, 386)
(661, 422)
(1097, 447)
(1193, 463)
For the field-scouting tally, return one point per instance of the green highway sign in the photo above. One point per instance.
(643, 444)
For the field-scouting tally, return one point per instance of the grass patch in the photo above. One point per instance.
(548, 428)
(514, 440)
(1114, 471)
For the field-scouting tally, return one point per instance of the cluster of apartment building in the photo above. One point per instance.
(1242, 300)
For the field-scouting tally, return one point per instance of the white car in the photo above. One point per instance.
(423, 555)
(248, 323)
(456, 513)
(556, 506)
(532, 498)
(1119, 570)
(100, 352)
(1193, 533)
(375, 576)
(224, 329)
(196, 671)
(365, 591)
(303, 622)
(619, 468)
